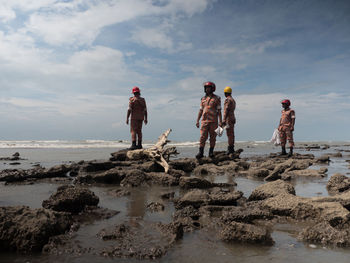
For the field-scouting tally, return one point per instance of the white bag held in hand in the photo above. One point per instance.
(276, 137)
(219, 131)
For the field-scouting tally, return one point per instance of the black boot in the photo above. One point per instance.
(133, 146)
(290, 154)
(230, 149)
(200, 153)
(283, 150)
(139, 144)
(211, 152)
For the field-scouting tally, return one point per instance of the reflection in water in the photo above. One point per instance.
(136, 206)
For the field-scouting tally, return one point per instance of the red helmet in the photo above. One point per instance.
(286, 102)
(209, 84)
(135, 89)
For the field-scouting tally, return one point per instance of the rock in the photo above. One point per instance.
(112, 176)
(221, 197)
(163, 179)
(286, 166)
(18, 175)
(325, 234)
(246, 233)
(170, 195)
(188, 217)
(194, 182)
(337, 155)
(141, 242)
(187, 165)
(96, 166)
(57, 171)
(119, 192)
(15, 163)
(258, 172)
(271, 189)
(207, 169)
(197, 198)
(119, 156)
(151, 166)
(338, 183)
(323, 159)
(155, 207)
(134, 178)
(303, 173)
(27, 230)
(302, 208)
(71, 199)
(245, 214)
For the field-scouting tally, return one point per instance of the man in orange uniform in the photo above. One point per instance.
(138, 111)
(286, 127)
(210, 111)
(229, 119)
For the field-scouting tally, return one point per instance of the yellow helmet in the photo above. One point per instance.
(228, 90)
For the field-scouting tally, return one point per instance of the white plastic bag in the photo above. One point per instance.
(276, 138)
(219, 131)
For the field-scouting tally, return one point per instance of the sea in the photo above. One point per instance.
(199, 246)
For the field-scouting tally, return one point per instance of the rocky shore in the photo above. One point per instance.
(199, 204)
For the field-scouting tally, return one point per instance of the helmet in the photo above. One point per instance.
(228, 90)
(135, 89)
(210, 84)
(286, 102)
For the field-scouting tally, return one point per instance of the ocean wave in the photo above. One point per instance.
(63, 144)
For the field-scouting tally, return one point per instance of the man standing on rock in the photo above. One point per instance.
(209, 111)
(286, 127)
(138, 111)
(229, 119)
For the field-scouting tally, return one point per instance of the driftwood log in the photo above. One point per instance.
(156, 152)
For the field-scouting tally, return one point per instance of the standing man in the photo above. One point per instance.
(138, 111)
(229, 119)
(209, 111)
(286, 127)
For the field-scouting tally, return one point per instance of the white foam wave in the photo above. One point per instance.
(63, 144)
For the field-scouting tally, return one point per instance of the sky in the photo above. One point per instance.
(67, 67)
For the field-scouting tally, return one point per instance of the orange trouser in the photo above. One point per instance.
(286, 134)
(208, 127)
(230, 133)
(136, 129)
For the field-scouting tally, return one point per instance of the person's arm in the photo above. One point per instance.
(225, 113)
(127, 116)
(199, 117)
(219, 112)
(293, 121)
(220, 118)
(129, 111)
(146, 120)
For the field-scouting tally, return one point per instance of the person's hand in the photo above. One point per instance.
(145, 121)
(292, 128)
(197, 124)
(127, 121)
(220, 124)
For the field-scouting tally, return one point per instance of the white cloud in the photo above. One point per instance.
(73, 105)
(69, 23)
(154, 38)
(7, 8)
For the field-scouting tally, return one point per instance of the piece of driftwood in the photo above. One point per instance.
(156, 152)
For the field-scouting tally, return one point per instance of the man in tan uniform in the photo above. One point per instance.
(138, 111)
(229, 119)
(210, 111)
(286, 127)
